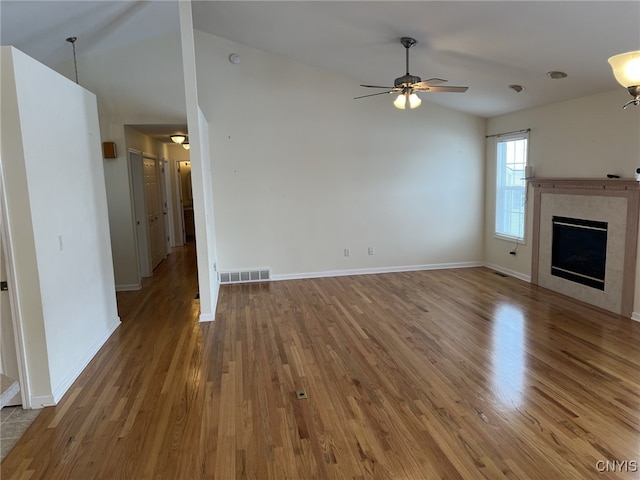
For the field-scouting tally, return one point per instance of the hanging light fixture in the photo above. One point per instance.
(178, 138)
(72, 41)
(626, 69)
(400, 101)
(185, 145)
(405, 98)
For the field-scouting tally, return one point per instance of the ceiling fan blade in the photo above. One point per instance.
(375, 86)
(373, 94)
(429, 82)
(442, 89)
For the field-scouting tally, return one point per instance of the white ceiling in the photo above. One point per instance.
(483, 45)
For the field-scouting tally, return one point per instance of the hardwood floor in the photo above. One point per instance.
(451, 374)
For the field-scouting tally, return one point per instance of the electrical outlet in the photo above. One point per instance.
(347, 252)
(371, 251)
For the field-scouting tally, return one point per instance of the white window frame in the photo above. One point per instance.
(501, 179)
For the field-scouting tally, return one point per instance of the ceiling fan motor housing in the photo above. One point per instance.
(406, 80)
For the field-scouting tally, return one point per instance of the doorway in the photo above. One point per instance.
(186, 198)
(154, 141)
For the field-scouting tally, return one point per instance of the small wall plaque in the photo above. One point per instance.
(109, 150)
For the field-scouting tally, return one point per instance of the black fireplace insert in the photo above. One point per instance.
(579, 251)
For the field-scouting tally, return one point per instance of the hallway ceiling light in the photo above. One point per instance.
(186, 146)
(178, 138)
(626, 69)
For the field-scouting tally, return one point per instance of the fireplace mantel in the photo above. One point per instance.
(585, 197)
(586, 183)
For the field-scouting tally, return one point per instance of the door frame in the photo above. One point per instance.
(167, 207)
(16, 317)
(180, 205)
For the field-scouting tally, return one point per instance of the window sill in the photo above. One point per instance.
(506, 238)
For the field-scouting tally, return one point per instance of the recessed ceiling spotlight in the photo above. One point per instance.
(234, 58)
(517, 88)
(556, 74)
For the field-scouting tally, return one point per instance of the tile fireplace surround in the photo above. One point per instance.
(615, 201)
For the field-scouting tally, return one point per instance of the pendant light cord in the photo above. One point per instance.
(72, 41)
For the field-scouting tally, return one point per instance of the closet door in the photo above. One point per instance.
(153, 202)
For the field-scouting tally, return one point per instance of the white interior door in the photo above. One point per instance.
(142, 236)
(153, 201)
(8, 353)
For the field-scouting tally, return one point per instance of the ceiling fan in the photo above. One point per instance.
(407, 85)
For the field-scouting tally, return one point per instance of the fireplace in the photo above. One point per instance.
(579, 250)
(584, 239)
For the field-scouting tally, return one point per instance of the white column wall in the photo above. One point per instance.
(72, 294)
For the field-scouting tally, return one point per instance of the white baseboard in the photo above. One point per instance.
(75, 372)
(635, 316)
(511, 273)
(207, 317)
(128, 287)
(40, 401)
(371, 271)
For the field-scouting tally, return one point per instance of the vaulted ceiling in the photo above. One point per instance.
(480, 44)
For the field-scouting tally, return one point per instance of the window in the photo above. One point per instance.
(511, 187)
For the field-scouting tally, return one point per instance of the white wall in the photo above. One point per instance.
(20, 239)
(200, 154)
(144, 143)
(587, 137)
(302, 171)
(68, 231)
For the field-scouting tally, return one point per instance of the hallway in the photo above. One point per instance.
(121, 402)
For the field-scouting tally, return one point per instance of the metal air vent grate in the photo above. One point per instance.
(245, 276)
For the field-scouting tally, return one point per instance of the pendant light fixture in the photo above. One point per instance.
(72, 41)
(626, 69)
(178, 138)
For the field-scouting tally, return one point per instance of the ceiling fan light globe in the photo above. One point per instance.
(626, 68)
(400, 102)
(414, 101)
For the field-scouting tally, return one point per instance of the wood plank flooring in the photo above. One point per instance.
(451, 374)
